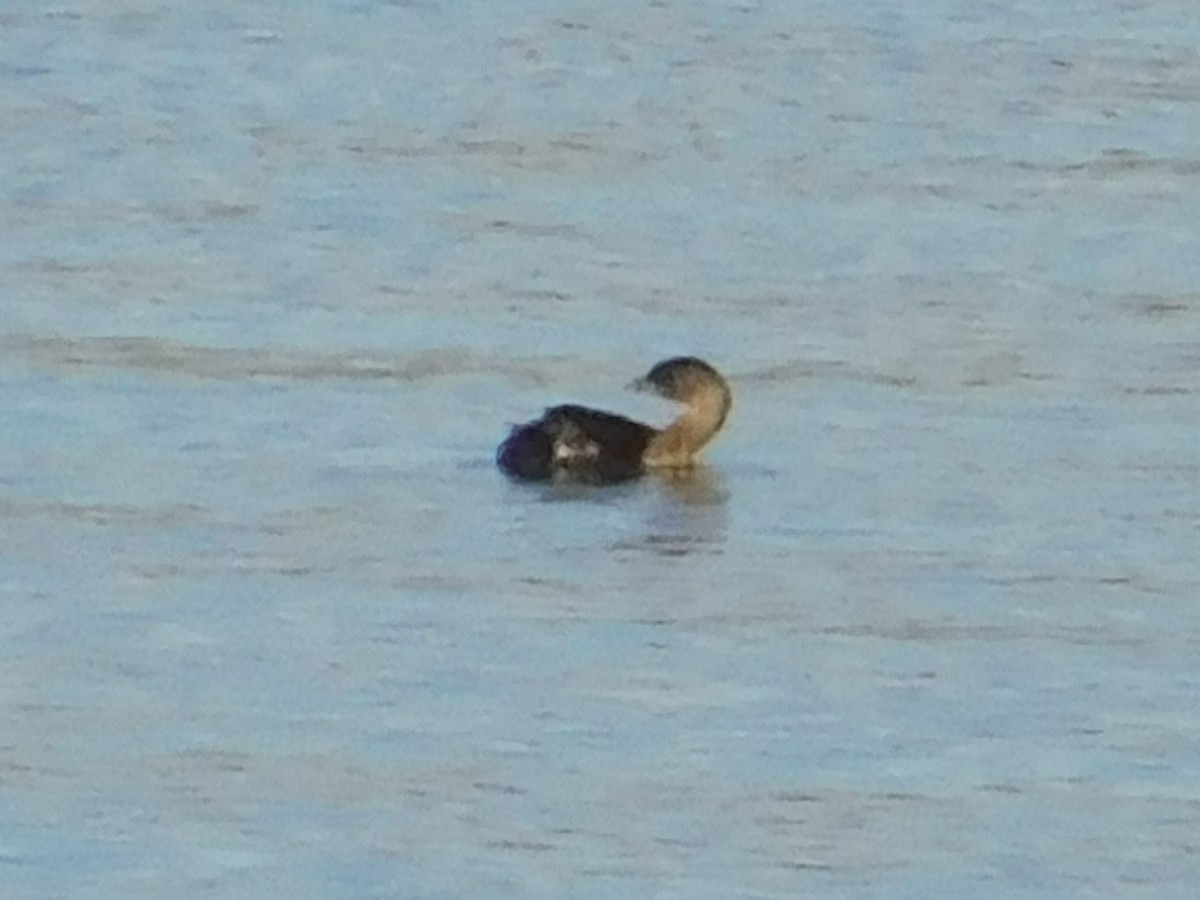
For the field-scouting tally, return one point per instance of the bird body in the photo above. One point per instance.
(571, 442)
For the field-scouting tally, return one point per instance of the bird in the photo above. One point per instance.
(577, 444)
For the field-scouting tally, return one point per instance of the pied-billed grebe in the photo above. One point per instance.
(580, 444)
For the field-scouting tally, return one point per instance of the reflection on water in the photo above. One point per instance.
(678, 512)
(688, 514)
(700, 485)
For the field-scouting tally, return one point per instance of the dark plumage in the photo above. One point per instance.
(591, 446)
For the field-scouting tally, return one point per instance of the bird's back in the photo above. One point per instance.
(578, 443)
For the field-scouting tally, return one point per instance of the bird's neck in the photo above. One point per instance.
(678, 443)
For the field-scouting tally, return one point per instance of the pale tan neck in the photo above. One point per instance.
(677, 444)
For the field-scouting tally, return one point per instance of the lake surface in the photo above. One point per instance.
(274, 280)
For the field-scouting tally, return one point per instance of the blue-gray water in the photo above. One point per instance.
(275, 277)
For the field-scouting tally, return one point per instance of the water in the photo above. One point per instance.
(275, 279)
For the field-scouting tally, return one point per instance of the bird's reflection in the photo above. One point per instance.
(694, 486)
(688, 515)
(684, 511)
